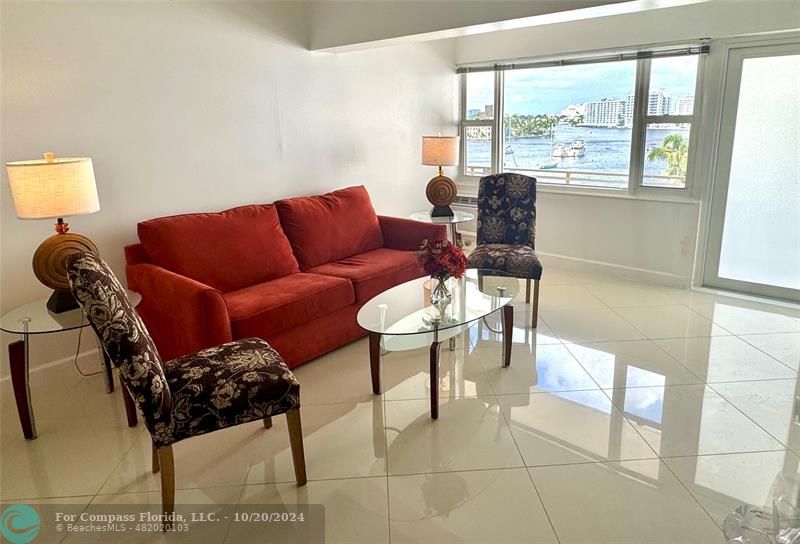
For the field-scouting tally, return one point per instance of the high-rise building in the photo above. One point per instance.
(684, 105)
(659, 103)
(608, 112)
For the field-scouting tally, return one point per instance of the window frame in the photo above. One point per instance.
(634, 185)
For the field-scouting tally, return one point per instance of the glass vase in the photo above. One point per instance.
(440, 292)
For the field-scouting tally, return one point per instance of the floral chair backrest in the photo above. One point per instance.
(507, 210)
(123, 335)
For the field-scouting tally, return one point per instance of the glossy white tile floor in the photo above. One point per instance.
(633, 414)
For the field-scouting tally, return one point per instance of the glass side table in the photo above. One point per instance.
(450, 221)
(34, 318)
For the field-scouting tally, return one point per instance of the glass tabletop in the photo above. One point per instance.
(406, 309)
(40, 320)
(457, 217)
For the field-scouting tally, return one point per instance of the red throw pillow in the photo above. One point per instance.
(330, 227)
(228, 250)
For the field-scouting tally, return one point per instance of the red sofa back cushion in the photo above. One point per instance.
(227, 250)
(330, 227)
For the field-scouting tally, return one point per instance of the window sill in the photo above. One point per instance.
(471, 189)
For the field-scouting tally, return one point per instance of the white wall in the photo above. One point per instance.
(202, 106)
(655, 238)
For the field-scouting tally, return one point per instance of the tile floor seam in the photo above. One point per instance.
(544, 508)
(122, 458)
(621, 410)
(724, 453)
(723, 397)
(689, 492)
(740, 337)
(386, 462)
(530, 476)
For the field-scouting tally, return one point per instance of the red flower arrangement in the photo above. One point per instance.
(442, 259)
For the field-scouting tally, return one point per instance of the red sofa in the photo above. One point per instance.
(294, 272)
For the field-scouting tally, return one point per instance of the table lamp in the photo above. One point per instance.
(54, 188)
(441, 191)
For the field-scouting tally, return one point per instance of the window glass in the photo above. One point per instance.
(666, 155)
(480, 96)
(570, 124)
(478, 160)
(672, 83)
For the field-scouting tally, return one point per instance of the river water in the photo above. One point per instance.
(607, 149)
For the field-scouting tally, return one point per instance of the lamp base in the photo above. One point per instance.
(442, 211)
(61, 301)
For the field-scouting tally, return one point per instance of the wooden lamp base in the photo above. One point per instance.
(441, 191)
(50, 265)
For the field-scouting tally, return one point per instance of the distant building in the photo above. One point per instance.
(684, 105)
(574, 110)
(608, 112)
(659, 103)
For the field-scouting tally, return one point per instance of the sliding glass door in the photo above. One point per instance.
(754, 233)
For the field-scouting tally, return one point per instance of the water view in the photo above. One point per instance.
(606, 150)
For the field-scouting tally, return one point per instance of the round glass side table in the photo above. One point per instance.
(34, 318)
(450, 220)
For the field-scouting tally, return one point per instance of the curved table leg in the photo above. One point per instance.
(435, 380)
(18, 361)
(508, 333)
(375, 361)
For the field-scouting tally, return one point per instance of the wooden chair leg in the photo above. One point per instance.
(167, 464)
(535, 309)
(296, 442)
(268, 422)
(527, 291)
(156, 466)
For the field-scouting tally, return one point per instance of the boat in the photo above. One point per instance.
(548, 165)
(575, 149)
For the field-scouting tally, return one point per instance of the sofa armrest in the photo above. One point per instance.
(407, 234)
(182, 315)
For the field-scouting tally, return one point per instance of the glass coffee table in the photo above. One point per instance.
(406, 311)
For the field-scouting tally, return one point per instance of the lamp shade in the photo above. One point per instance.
(53, 187)
(440, 150)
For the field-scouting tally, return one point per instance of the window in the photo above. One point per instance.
(478, 123)
(566, 124)
(583, 122)
(668, 122)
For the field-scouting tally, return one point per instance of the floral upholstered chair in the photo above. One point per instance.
(507, 231)
(220, 387)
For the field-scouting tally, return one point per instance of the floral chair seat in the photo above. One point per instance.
(227, 385)
(517, 259)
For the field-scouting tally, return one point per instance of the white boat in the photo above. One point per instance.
(575, 149)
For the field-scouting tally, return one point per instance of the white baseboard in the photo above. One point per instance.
(93, 352)
(605, 268)
(617, 270)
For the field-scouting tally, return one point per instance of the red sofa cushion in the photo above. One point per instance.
(330, 227)
(228, 250)
(275, 306)
(374, 271)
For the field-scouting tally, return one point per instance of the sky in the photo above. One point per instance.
(549, 90)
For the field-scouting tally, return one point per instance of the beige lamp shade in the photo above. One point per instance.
(53, 187)
(440, 150)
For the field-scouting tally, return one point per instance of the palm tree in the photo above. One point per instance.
(674, 150)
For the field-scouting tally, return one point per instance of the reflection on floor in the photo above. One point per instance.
(634, 414)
